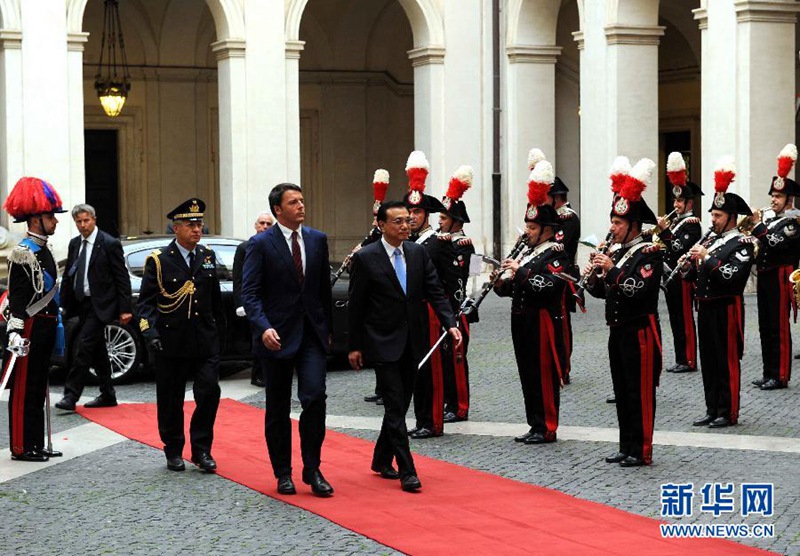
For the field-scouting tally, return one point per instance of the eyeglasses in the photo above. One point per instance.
(400, 221)
(194, 224)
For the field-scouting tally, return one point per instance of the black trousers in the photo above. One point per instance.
(720, 323)
(171, 376)
(455, 369)
(429, 386)
(91, 352)
(28, 385)
(774, 305)
(310, 364)
(680, 301)
(634, 351)
(396, 384)
(539, 348)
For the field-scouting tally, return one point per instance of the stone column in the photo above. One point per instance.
(530, 122)
(11, 122)
(232, 137)
(293, 50)
(77, 162)
(428, 63)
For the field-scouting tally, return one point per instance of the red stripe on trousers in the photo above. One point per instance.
(734, 331)
(565, 325)
(688, 323)
(547, 348)
(460, 367)
(785, 359)
(20, 387)
(437, 396)
(646, 348)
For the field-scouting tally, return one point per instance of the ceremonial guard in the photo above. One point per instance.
(33, 320)
(678, 236)
(629, 282)
(429, 387)
(180, 311)
(778, 251)
(537, 293)
(455, 277)
(721, 267)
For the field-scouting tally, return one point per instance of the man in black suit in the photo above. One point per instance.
(286, 293)
(180, 310)
(97, 289)
(390, 282)
(264, 222)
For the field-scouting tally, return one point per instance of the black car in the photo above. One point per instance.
(126, 347)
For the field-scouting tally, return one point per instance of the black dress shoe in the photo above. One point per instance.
(257, 381)
(410, 483)
(386, 471)
(523, 437)
(449, 417)
(372, 399)
(30, 456)
(423, 433)
(205, 462)
(409, 432)
(539, 438)
(616, 458)
(286, 485)
(175, 463)
(48, 453)
(101, 401)
(379, 401)
(719, 423)
(702, 421)
(759, 381)
(773, 384)
(611, 399)
(681, 368)
(67, 404)
(631, 461)
(319, 485)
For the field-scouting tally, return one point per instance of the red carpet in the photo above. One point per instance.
(459, 510)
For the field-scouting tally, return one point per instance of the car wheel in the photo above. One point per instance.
(124, 352)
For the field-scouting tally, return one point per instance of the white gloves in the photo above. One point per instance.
(240, 312)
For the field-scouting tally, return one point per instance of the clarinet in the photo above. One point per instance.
(681, 262)
(469, 305)
(346, 261)
(581, 285)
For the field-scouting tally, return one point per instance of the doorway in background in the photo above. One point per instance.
(102, 176)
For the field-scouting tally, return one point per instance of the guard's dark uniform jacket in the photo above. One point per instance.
(682, 234)
(568, 235)
(429, 387)
(778, 252)
(630, 289)
(536, 311)
(182, 307)
(32, 273)
(721, 279)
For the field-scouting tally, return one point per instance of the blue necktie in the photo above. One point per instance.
(400, 268)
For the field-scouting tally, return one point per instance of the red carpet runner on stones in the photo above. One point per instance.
(459, 511)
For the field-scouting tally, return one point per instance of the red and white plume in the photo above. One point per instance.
(638, 180)
(535, 156)
(539, 182)
(380, 183)
(417, 169)
(619, 171)
(460, 182)
(676, 169)
(786, 160)
(724, 174)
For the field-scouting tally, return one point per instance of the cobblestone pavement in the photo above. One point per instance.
(121, 499)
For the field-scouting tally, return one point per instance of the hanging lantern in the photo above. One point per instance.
(112, 81)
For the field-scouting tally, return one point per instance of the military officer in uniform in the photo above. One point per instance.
(32, 315)
(537, 295)
(454, 279)
(721, 268)
(779, 249)
(429, 387)
(181, 311)
(678, 236)
(629, 282)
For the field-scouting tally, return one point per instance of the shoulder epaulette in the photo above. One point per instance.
(747, 239)
(462, 241)
(654, 248)
(557, 247)
(692, 220)
(566, 215)
(443, 236)
(20, 254)
(154, 253)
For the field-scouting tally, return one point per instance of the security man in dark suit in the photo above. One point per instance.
(264, 222)
(180, 310)
(97, 289)
(286, 292)
(390, 282)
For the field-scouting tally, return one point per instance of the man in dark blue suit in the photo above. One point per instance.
(286, 293)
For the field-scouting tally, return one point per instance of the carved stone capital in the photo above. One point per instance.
(293, 49)
(766, 11)
(426, 55)
(634, 34)
(533, 54)
(10, 40)
(229, 48)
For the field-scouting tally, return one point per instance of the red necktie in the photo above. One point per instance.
(298, 258)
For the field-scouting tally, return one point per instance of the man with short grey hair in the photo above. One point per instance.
(97, 289)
